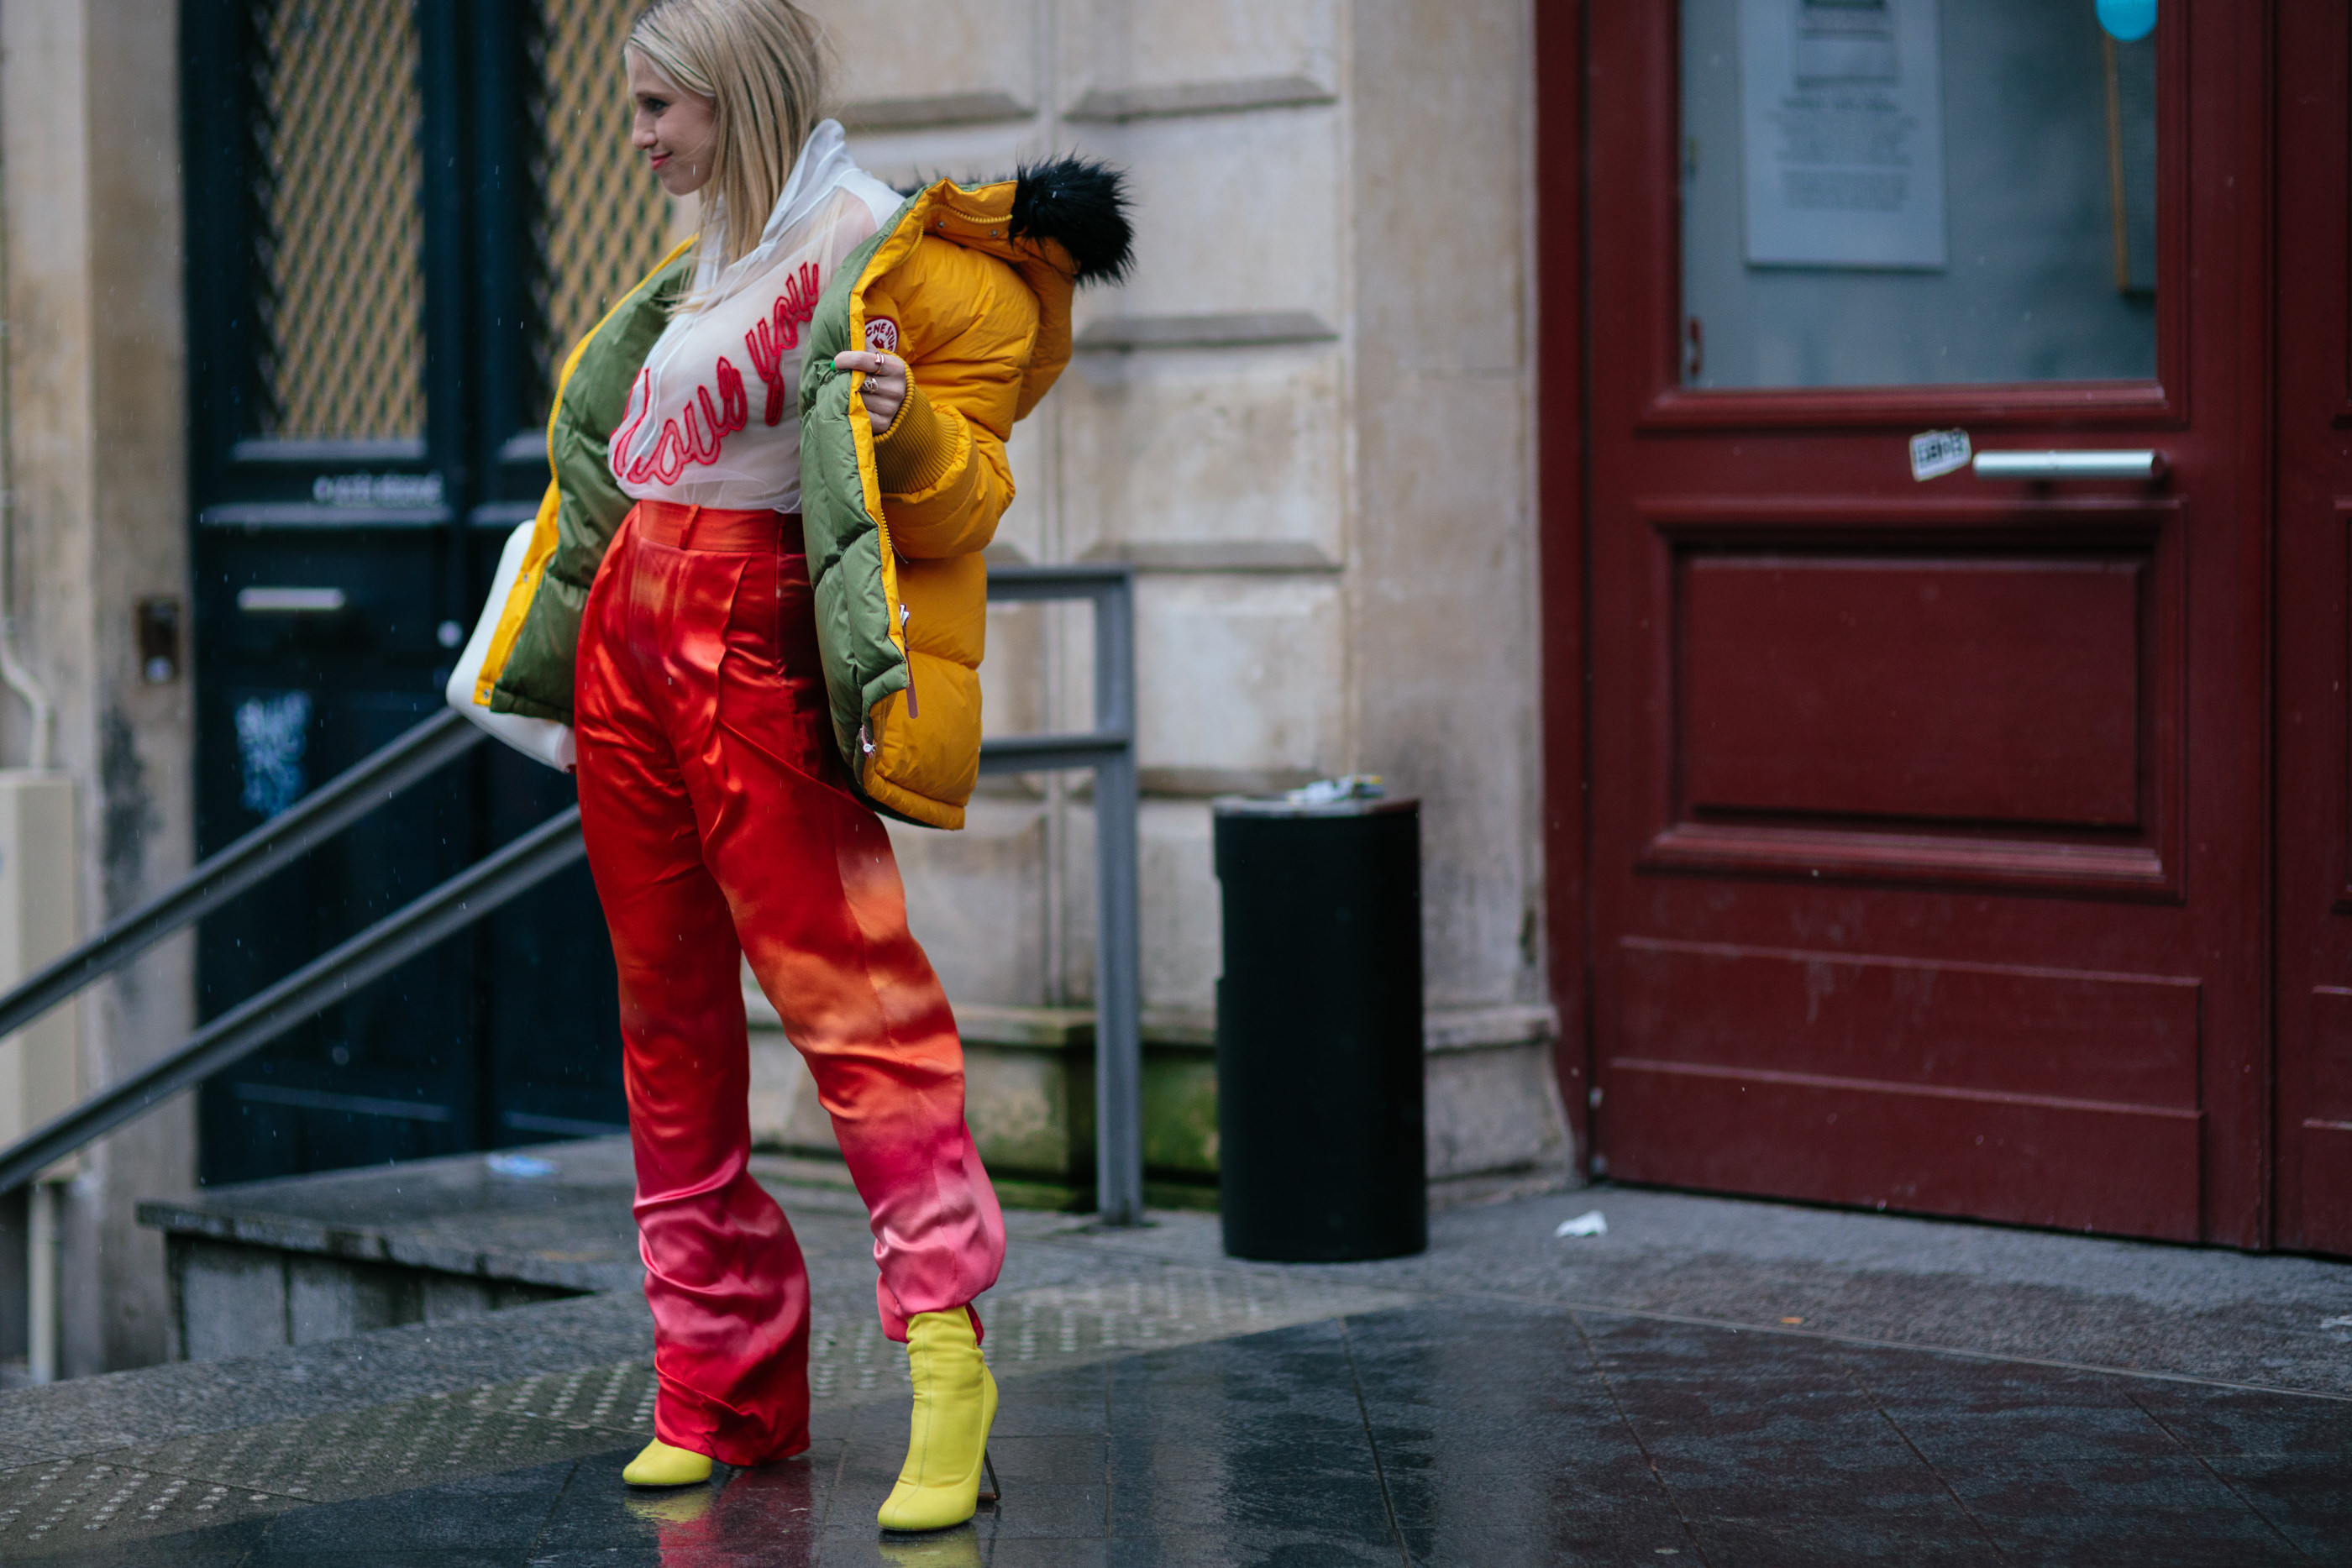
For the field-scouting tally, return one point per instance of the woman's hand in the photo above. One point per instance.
(886, 384)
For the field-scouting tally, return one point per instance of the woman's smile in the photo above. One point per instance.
(673, 128)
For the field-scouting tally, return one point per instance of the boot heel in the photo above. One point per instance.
(989, 1490)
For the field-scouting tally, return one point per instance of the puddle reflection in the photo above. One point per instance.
(770, 1511)
(957, 1547)
(769, 1516)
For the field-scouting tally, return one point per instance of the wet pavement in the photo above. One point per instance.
(1712, 1381)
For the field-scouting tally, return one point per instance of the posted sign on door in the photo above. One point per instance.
(1842, 116)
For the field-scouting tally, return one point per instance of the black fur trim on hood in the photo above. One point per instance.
(1083, 206)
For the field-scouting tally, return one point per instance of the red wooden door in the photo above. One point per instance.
(2314, 636)
(1928, 832)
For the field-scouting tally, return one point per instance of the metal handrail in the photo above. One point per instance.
(523, 864)
(317, 816)
(1109, 749)
(326, 979)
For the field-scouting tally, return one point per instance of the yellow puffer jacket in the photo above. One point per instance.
(971, 286)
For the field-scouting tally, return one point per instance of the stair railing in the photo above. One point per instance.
(523, 863)
(302, 827)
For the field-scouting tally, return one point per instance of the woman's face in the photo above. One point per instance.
(674, 127)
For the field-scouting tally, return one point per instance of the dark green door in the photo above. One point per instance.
(396, 213)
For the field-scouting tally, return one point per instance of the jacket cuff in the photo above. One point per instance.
(917, 451)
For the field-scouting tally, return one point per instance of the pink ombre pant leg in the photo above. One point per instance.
(716, 829)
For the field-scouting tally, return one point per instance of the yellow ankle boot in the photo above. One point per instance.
(955, 1404)
(662, 1466)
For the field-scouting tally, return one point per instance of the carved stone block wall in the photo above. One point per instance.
(96, 521)
(1306, 419)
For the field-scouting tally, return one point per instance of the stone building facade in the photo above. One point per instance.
(1306, 420)
(96, 522)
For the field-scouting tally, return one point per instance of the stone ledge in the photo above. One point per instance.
(282, 1233)
(1445, 1031)
(1493, 1103)
(305, 1259)
(1207, 329)
(931, 110)
(1039, 1028)
(1498, 1187)
(1029, 1096)
(437, 1223)
(1449, 1029)
(1221, 557)
(1117, 105)
(1205, 784)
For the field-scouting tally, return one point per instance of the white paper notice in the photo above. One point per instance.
(1842, 118)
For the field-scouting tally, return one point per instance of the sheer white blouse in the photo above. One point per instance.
(714, 417)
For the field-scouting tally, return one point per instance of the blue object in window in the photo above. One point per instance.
(2127, 20)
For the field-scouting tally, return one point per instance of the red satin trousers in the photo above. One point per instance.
(720, 825)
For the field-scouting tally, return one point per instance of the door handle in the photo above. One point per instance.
(2096, 464)
(289, 600)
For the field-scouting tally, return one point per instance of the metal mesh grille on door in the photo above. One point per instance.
(602, 215)
(340, 241)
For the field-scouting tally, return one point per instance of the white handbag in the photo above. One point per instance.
(541, 739)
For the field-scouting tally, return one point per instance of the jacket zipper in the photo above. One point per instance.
(908, 649)
(882, 532)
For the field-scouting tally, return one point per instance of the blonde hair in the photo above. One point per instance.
(761, 64)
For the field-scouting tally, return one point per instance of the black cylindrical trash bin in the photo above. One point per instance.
(1320, 1146)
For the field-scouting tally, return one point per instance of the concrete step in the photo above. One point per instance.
(303, 1259)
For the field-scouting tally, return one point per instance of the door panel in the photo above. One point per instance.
(1956, 1028)
(2316, 1136)
(2049, 1096)
(1856, 685)
(1927, 818)
(2315, 633)
(1896, 692)
(371, 351)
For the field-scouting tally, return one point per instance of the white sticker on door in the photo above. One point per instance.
(1938, 451)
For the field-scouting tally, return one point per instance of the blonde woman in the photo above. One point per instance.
(754, 592)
